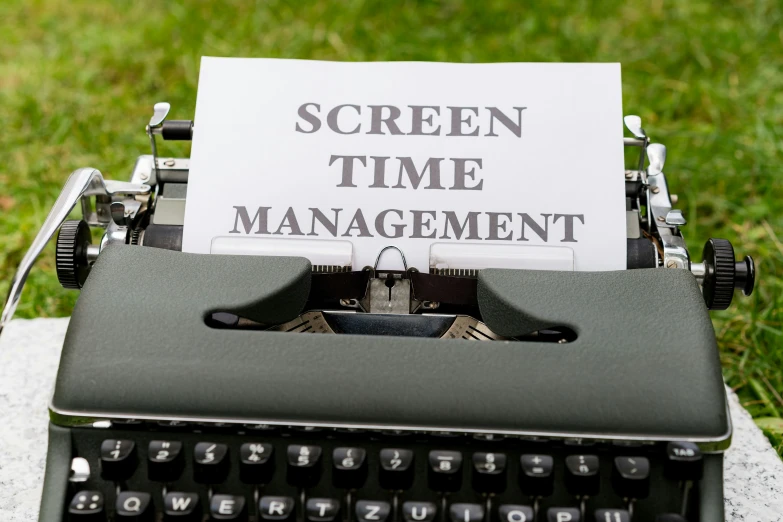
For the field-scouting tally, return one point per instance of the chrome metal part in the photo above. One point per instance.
(634, 124)
(675, 218)
(80, 470)
(699, 271)
(390, 296)
(82, 182)
(662, 218)
(471, 329)
(67, 418)
(159, 113)
(656, 153)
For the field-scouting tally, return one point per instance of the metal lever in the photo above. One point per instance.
(159, 113)
(82, 182)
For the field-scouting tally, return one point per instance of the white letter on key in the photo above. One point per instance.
(516, 516)
(563, 517)
(132, 504)
(322, 507)
(226, 507)
(372, 513)
(421, 516)
(276, 507)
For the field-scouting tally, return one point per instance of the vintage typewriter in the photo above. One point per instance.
(186, 390)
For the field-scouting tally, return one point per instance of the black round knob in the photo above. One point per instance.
(71, 254)
(722, 274)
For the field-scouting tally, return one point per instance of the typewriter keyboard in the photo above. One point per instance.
(257, 474)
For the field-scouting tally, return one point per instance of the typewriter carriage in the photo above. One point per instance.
(148, 211)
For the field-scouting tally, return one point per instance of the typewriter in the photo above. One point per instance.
(187, 390)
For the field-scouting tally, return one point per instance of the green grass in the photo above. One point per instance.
(77, 80)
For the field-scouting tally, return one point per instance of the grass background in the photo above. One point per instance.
(78, 79)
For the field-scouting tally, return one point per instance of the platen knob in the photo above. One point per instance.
(722, 274)
(71, 254)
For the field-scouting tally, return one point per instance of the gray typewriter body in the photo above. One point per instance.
(581, 404)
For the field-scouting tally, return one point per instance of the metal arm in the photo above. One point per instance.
(82, 182)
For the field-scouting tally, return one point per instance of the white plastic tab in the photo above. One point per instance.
(476, 257)
(318, 251)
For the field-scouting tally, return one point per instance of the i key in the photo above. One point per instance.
(134, 505)
(118, 459)
(396, 468)
(164, 460)
(210, 462)
(466, 513)
(582, 475)
(350, 470)
(445, 470)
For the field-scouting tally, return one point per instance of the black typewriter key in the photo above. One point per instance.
(350, 469)
(256, 464)
(582, 475)
(181, 507)
(670, 517)
(419, 511)
(684, 461)
(304, 465)
(558, 514)
(322, 509)
(445, 473)
(466, 513)
(612, 515)
(210, 462)
(87, 505)
(227, 507)
(396, 468)
(118, 459)
(134, 505)
(537, 475)
(164, 460)
(489, 472)
(631, 477)
(372, 511)
(275, 508)
(515, 513)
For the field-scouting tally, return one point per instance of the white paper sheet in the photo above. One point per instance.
(518, 154)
